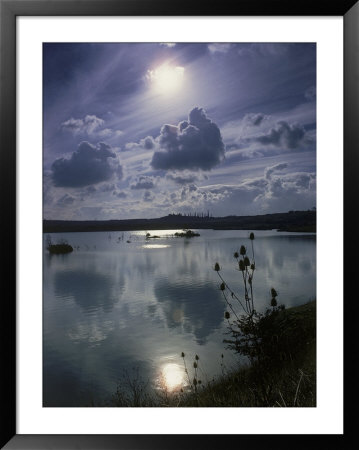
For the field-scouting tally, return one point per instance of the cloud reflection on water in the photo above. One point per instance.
(198, 309)
(90, 290)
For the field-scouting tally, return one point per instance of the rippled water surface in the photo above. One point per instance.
(122, 304)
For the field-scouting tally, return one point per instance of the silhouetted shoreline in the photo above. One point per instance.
(296, 221)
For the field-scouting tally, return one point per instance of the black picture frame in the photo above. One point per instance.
(9, 10)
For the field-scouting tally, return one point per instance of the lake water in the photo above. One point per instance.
(113, 307)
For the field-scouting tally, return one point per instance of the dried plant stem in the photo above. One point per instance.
(233, 294)
(297, 390)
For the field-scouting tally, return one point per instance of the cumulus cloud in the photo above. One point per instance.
(87, 165)
(148, 143)
(87, 125)
(193, 144)
(295, 191)
(283, 134)
(143, 182)
(271, 192)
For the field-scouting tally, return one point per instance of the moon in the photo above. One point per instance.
(166, 79)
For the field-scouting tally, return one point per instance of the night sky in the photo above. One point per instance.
(144, 130)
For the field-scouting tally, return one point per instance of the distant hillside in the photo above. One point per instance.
(302, 221)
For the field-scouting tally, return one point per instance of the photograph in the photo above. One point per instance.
(179, 224)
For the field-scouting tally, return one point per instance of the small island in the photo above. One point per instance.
(148, 236)
(58, 249)
(187, 234)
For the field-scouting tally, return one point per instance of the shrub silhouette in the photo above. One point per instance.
(254, 335)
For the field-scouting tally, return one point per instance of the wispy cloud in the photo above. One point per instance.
(87, 125)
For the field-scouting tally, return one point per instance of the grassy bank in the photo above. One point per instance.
(289, 380)
(284, 377)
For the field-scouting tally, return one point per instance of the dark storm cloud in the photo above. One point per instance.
(87, 165)
(143, 182)
(283, 134)
(194, 144)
